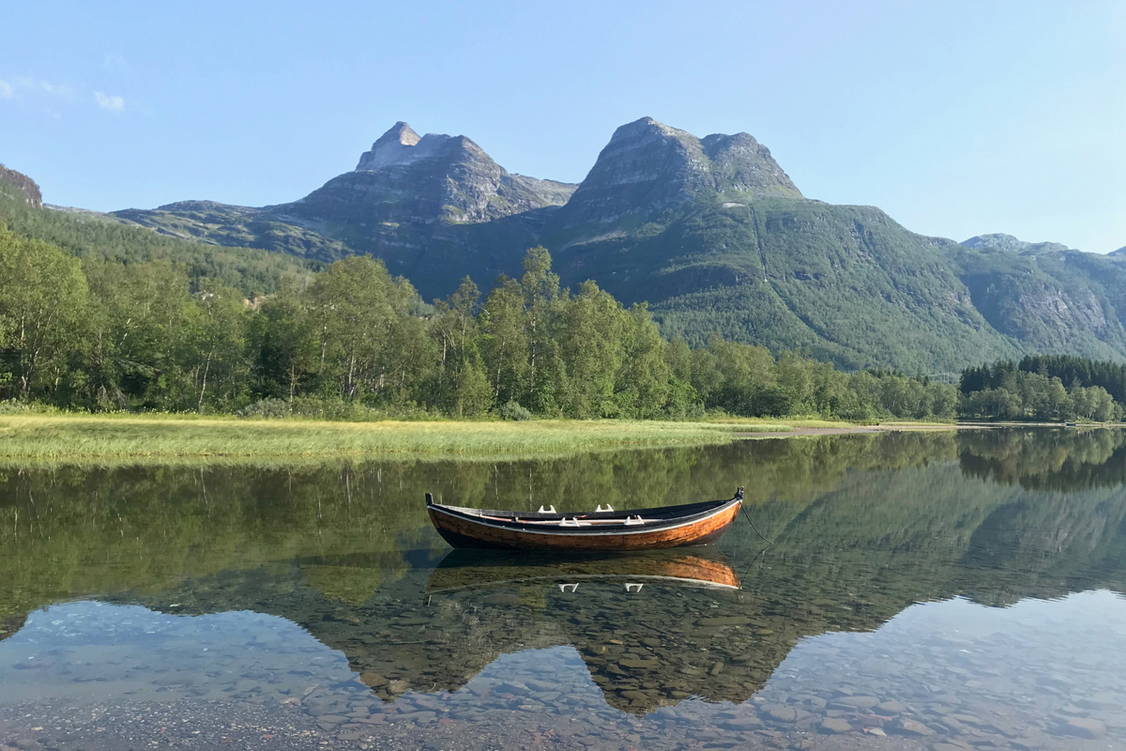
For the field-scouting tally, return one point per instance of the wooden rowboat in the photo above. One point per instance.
(603, 529)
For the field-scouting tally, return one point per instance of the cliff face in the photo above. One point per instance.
(24, 184)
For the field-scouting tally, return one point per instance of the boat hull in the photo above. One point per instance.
(462, 531)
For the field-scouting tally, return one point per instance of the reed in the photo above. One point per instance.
(66, 438)
(157, 439)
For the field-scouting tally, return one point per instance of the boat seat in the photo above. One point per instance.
(570, 521)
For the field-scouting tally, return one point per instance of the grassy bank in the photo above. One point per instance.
(157, 439)
(162, 439)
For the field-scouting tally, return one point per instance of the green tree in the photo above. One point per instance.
(218, 361)
(504, 341)
(140, 335)
(643, 383)
(543, 301)
(474, 395)
(355, 305)
(795, 382)
(43, 300)
(285, 346)
(455, 330)
(592, 348)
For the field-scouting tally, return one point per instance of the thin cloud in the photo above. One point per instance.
(32, 88)
(29, 85)
(56, 89)
(115, 63)
(109, 103)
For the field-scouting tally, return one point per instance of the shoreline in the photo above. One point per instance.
(800, 432)
(898, 427)
(154, 439)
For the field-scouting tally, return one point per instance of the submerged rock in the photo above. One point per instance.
(835, 725)
(1083, 727)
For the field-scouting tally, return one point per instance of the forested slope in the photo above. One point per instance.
(93, 236)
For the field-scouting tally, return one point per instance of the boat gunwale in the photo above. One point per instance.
(475, 516)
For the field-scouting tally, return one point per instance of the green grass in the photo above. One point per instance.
(157, 439)
(773, 424)
(63, 438)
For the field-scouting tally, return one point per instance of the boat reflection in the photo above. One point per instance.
(471, 569)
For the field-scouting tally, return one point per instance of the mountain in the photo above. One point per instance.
(435, 208)
(711, 232)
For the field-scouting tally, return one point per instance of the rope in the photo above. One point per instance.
(747, 516)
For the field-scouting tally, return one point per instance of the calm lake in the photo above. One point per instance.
(933, 591)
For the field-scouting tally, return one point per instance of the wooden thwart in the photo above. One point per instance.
(603, 529)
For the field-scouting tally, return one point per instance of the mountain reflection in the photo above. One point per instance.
(860, 527)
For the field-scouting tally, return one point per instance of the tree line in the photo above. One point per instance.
(99, 334)
(1045, 387)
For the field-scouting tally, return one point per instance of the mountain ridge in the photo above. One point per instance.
(711, 232)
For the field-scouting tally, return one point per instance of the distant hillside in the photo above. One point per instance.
(1062, 301)
(711, 232)
(101, 236)
(1000, 241)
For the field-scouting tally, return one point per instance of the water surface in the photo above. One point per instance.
(917, 590)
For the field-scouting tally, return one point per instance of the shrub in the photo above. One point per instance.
(14, 407)
(513, 410)
(267, 409)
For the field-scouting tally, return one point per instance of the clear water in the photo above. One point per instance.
(906, 591)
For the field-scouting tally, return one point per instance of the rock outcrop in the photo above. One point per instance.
(28, 187)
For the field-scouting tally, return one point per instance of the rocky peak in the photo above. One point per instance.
(399, 133)
(402, 145)
(648, 166)
(425, 181)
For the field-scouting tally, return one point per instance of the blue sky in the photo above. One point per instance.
(957, 118)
